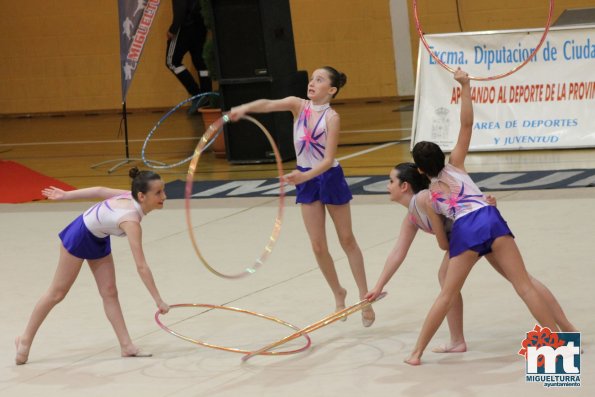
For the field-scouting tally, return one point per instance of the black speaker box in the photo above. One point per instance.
(245, 142)
(253, 38)
(256, 60)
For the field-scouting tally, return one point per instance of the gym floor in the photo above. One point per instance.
(76, 352)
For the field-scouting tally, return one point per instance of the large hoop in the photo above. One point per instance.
(488, 78)
(313, 327)
(188, 195)
(231, 349)
(152, 164)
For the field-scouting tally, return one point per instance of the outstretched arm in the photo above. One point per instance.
(98, 192)
(291, 103)
(458, 154)
(134, 233)
(395, 258)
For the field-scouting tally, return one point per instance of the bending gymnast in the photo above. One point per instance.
(478, 228)
(319, 179)
(88, 238)
(407, 186)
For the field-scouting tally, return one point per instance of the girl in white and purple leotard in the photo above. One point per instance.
(310, 140)
(319, 179)
(88, 238)
(409, 188)
(478, 228)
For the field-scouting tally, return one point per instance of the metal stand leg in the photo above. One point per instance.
(127, 159)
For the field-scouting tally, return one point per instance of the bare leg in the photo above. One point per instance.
(559, 315)
(509, 258)
(105, 277)
(454, 317)
(458, 270)
(341, 215)
(314, 220)
(68, 269)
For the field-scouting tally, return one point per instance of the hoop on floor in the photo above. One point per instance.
(190, 179)
(488, 78)
(313, 327)
(232, 349)
(153, 164)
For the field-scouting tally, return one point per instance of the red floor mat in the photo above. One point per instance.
(19, 184)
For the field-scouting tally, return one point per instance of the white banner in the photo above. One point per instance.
(547, 104)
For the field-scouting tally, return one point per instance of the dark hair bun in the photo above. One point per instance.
(133, 173)
(342, 79)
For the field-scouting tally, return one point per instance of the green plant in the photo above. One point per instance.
(208, 51)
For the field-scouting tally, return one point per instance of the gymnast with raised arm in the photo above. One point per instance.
(88, 238)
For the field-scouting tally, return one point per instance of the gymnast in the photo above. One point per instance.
(478, 228)
(319, 179)
(88, 238)
(407, 186)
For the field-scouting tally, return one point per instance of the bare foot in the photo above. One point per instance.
(368, 316)
(340, 302)
(134, 351)
(451, 348)
(413, 361)
(22, 352)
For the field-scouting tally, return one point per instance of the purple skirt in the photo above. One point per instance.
(477, 231)
(330, 187)
(80, 242)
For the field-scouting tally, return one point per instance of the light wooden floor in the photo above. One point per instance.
(76, 354)
(66, 147)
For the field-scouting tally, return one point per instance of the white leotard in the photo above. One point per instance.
(104, 218)
(309, 138)
(454, 194)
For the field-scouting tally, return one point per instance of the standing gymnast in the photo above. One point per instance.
(408, 187)
(319, 179)
(88, 238)
(478, 228)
